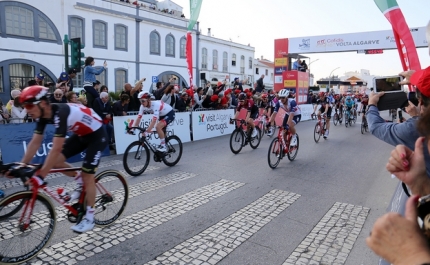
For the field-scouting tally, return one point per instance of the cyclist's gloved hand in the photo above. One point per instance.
(231, 121)
(38, 179)
(286, 127)
(146, 134)
(130, 131)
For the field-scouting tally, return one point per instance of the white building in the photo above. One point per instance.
(264, 67)
(221, 59)
(136, 41)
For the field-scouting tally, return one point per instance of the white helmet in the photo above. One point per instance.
(144, 94)
(283, 93)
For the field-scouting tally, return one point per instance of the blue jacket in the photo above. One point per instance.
(91, 72)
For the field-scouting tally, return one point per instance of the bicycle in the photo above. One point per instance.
(348, 118)
(320, 128)
(29, 217)
(138, 151)
(281, 146)
(364, 125)
(335, 118)
(241, 138)
(262, 123)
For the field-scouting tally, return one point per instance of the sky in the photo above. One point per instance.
(259, 23)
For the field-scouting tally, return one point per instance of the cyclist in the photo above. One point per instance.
(88, 134)
(292, 115)
(161, 111)
(324, 109)
(349, 104)
(268, 107)
(248, 104)
(364, 103)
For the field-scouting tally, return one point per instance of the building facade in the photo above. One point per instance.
(264, 67)
(136, 41)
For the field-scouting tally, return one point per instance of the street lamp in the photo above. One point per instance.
(311, 63)
(329, 77)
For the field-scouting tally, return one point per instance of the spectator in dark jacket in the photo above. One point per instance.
(260, 85)
(103, 108)
(182, 102)
(237, 84)
(158, 94)
(58, 97)
(120, 107)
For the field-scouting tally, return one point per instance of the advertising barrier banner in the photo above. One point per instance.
(15, 138)
(180, 127)
(211, 123)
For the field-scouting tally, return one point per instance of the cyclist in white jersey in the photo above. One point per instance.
(161, 111)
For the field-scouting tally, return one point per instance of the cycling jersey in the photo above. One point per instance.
(75, 118)
(249, 105)
(291, 107)
(323, 101)
(349, 103)
(158, 108)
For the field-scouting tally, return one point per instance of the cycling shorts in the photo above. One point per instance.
(93, 144)
(168, 118)
(322, 110)
(296, 119)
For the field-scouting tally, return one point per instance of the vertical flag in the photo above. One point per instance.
(195, 6)
(404, 41)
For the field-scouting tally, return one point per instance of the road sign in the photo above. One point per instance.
(154, 79)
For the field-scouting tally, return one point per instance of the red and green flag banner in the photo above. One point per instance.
(195, 6)
(404, 41)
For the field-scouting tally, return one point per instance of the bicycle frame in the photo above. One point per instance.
(282, 139)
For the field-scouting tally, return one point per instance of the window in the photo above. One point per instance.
(267, 72)
(250, 62)
(183, 44)
(20, 74)
(204, 58)
(170, 45)
(45, 30)
(102, 77)
(215, 60)
(225, 62)
(120, 79)
(242, 64)
(257, 71)
(121, 37)
(19, 21)
(99, 34)
(233, 59)
(78, 81)
(76, 28)
(154, 43)
(271, 76)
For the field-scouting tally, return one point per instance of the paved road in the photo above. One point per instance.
(215, 207)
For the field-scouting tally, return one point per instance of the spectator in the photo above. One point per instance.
(90, 73)
(39, 79)
(260, 84)
(215, 101)
(237, 84)
(182, 102)
(71, 97)
(58, 97)
(297, 65)
(103, 108)
(120, 107)
(104, 89)
(14, 93)
(158, 94)
(198, 98)
(72, 74)
(63, 82)
(303, 66)
(169, 96)
(223, 103)
(132, 93)
(83, 100)
(4, 114)
(18, 113)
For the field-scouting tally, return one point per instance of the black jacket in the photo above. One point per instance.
(102, 109)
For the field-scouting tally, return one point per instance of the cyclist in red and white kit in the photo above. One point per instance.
(252, 112)
(161, 111)
(88, 134)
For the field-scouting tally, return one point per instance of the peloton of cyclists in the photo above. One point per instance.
(292, 115)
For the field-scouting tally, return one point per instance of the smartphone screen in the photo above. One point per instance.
(388, 84)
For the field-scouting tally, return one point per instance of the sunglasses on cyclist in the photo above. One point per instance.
(29, 106)
(143, 100)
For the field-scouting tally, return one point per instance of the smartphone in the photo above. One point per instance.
(412, 97)
(388, 84)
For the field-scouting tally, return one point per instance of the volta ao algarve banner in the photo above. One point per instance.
(180, 127)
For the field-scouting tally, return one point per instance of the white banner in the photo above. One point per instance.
(179, 127)
(383, 39)
(211, 123)
(306, 110)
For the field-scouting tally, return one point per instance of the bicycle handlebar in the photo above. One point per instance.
(242, 121)
(20, 170)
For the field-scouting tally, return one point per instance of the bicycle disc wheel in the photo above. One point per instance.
(136, 158)
(275, 153)
(293, 150)
(20, 242)
(335, 119)
(255, 142)
(174, 151)
(236, 141)
(111, 197)
(317, 134)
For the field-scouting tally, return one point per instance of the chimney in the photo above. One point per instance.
(209, 32)
(261, 57)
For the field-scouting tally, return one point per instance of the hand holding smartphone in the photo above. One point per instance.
(394, 97)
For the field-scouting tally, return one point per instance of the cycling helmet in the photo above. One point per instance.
(321, 94)
(348, 98)
(336, 97)
(242, 96)
(33, 94)
(283, 93)
(144, 94)
(264, 95)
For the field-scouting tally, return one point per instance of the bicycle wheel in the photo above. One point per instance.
(362, 128)
(293, 150)
(136, 158)
(174, 151)
(20, 242)
(275, 153)
(12, 209)
(255, 142)
(340, 117)
(346, 120)
(317, 132)
(236, 141)
(367, 127)
(111, 197)
(335, 119)
(355, 117)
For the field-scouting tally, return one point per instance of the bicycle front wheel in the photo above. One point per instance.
(275, 153)
(293, 150)
(20, 242)
(136, 158)
(236, 141)
(255, 142)
(111, 197)
(335, 119)
(174, 151)
(317, 132)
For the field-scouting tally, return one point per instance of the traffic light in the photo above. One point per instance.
(76, 54)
